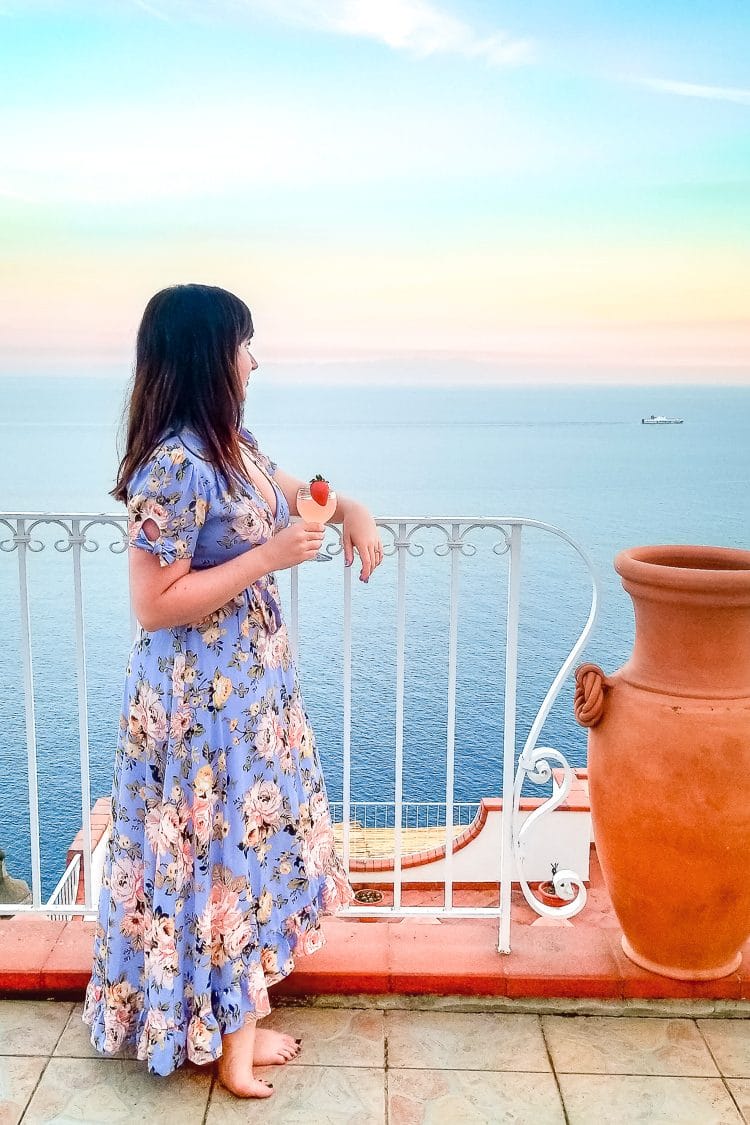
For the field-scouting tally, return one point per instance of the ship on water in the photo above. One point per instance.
(661, 420)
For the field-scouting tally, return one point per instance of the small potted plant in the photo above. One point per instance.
(547, 892)
(369, 896)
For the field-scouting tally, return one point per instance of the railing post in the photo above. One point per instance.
(294, 613)
(509, 735)
(347, 716)
(401, 547)
(134, 623)
(22, 540)
(455, 547)
(83, 713)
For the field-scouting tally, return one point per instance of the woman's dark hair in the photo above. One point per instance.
(186, 375)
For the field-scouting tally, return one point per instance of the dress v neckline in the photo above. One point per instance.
(274, 514)
(274, 487)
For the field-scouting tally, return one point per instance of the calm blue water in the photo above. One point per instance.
(575, 457)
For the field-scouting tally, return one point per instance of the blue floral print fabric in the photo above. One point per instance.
(221, 859)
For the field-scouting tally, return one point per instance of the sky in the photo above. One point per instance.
(539, 191)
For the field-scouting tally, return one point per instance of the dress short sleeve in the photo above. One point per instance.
(265, 463)
(172, 489)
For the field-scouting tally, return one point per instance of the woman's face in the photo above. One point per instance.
(245, 364)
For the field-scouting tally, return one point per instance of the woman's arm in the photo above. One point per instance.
(167, 596)
(359, 529)
(290, 486)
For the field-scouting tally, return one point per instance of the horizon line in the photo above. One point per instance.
(729, 377)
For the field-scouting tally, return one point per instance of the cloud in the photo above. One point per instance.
(417, 27)
(693, 90)
(414, 26)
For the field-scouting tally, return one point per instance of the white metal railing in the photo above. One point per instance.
(414, 814)
(401, 543)
(66, 891)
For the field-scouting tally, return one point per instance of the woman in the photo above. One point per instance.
(221, 859)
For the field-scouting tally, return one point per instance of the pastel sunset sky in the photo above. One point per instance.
(546, 189)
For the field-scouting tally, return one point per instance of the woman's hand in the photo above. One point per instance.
(359, 531)
(361, 534)
(297, 543)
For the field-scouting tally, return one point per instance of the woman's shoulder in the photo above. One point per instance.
(194, 445)
(187, 439)
(178, 459)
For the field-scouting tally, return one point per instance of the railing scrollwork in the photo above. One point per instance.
(75, 536)
(534, 765)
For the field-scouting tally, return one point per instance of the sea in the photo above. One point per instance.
(574, 457)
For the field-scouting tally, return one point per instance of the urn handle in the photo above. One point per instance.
(588, 702)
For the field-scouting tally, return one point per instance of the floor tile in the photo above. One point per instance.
(333, 1036)
(729, 1041)
(111, 1091)
(31, 1027)
(626, 1045)
(651, 1099)
(18, 1077)
(465, 1041)
(303, 1095)
(740, 1089)
(75, 1041)
(446, 1097)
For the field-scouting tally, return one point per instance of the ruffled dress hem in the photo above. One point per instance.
(165, 1044)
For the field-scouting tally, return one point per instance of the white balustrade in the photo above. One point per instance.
(400, 536)
(66, 891)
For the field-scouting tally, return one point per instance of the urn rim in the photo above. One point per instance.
(687, 567)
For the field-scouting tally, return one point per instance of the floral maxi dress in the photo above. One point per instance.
(221, 859)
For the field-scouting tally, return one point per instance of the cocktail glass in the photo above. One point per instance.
(313, 512)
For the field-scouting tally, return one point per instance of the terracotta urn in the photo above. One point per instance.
(669, 761)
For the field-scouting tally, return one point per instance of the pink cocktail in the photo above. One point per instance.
(313, 512)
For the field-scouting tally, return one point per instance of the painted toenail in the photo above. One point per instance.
(297, 1040)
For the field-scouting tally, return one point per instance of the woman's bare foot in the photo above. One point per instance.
(235, 1069)
(273, 1048)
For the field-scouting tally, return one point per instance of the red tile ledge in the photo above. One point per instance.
(640, 984)
(562, 962)
(44, 957)
(25, 946)
(68, 966)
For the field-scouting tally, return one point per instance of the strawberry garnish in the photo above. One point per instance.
(319, 489)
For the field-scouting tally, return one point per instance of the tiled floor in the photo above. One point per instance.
(404, 1067)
